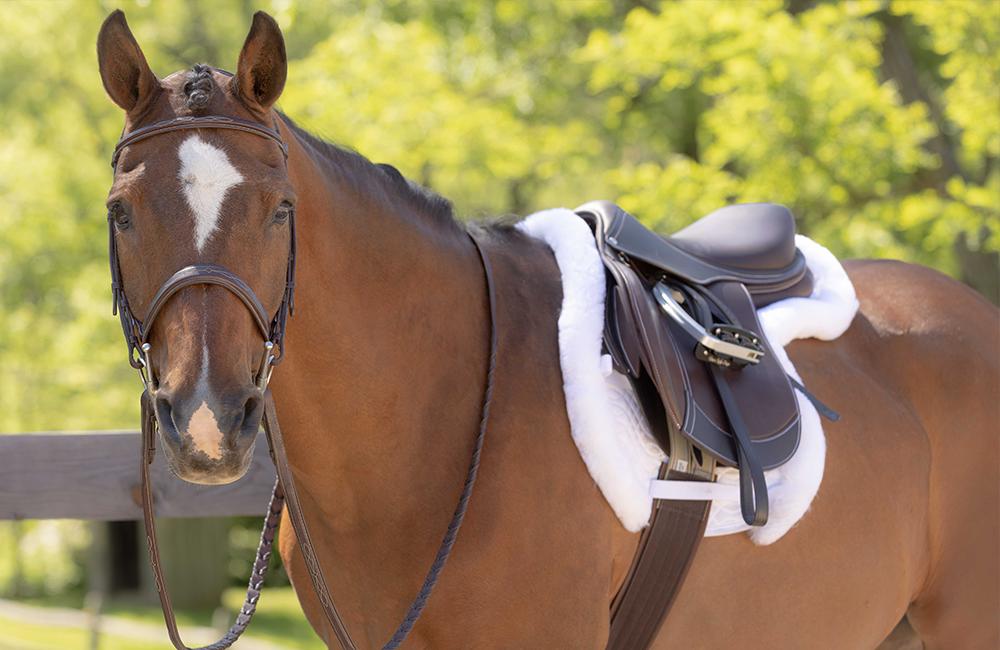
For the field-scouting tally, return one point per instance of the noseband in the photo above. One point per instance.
(137, 331)
(272, 328)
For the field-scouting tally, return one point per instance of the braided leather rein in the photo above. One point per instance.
(137, 333)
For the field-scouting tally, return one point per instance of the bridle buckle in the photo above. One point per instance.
(146, 369)
(266, 366)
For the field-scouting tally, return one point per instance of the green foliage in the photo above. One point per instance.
(673, 109)
(41, 557)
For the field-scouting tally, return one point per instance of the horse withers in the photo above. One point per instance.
(382, 390)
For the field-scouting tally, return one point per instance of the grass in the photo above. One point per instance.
(25, 636)
(279, 620)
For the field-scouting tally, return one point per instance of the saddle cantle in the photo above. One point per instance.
(681, 323)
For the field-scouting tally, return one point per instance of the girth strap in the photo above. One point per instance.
(665, 552)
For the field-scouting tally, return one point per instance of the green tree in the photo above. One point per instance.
(877, 122)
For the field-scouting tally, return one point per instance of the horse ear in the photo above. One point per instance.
(126, 75)
(263, 65)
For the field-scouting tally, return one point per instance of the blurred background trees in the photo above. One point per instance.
(877, 122)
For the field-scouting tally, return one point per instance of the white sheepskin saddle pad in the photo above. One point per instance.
(607, 422)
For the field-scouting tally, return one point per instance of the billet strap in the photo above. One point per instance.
(260, 565)
(666, 549)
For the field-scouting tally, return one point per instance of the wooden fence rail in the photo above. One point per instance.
(96, 476)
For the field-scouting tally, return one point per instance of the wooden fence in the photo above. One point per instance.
(95, 476)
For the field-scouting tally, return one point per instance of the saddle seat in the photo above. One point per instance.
(749, 236)
(752, 243)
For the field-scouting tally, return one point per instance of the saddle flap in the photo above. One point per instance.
(690, 397)
(620, 334)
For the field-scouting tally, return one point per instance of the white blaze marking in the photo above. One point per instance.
(206, 175)
(203, 427)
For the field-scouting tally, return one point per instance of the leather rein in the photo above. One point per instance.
(272, 329)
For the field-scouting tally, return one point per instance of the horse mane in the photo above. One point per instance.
(425, 201)
(198, 88)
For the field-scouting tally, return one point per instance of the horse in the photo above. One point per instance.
(382, 385)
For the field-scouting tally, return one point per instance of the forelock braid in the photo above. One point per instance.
(198, 87)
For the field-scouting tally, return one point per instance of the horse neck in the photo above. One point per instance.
(381, 395)
(381, 392)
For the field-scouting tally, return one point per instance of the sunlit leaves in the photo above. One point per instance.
(672, 109)
(967, 34)
(796, 109)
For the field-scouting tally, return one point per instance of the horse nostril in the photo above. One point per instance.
(165, 415)
(251, 414)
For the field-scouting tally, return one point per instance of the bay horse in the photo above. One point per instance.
(381, 391)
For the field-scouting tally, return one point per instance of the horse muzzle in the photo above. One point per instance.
(209, 439)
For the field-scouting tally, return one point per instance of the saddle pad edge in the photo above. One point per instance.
(619, 466)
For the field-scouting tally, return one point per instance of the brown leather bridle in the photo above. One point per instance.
(137, 332)
(272, 329)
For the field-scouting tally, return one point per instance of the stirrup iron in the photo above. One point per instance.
(726, 345)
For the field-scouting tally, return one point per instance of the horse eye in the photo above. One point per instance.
(284, 212)
(117, 212)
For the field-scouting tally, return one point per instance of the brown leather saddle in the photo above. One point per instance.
(681, 323)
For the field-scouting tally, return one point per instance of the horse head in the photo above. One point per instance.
(216, 200)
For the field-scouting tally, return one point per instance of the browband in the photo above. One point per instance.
(196, 122)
